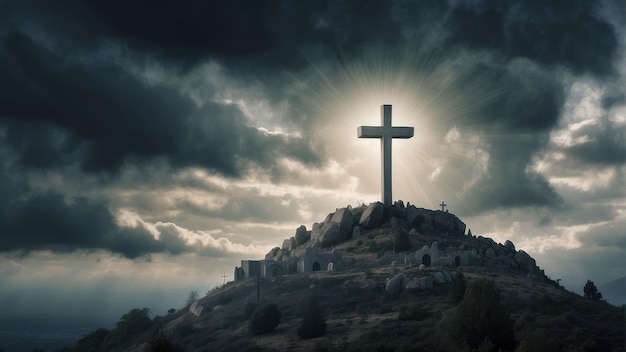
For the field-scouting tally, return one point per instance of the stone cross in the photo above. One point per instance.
(386, 133)
(443, 205)
(224, 276)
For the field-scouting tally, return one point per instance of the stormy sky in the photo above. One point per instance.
(146, 147)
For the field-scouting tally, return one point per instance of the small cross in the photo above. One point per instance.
(443, 205)
(224, 276)
(386, 133)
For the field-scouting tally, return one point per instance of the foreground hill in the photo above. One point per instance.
(373, 304)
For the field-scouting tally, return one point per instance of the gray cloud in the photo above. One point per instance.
(58, 112)
(63, 103)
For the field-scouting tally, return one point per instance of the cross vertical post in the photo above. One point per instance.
(386, 133)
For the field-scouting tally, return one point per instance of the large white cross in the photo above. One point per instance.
(386, 133)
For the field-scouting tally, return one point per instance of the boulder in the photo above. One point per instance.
(356, 232)
(302, 235)
(508, 244)
(396, 283)
(459, 225)
(490, 253)
(316, 230)
(272, 254)
(420, 283)
(446, 275)
(420, 217)
(438, 278)
(394, 222)
(412, 285)
(336, 228)
(372, 216)
(289, 243)
(526, 262)
(413, 232)
(444, 221)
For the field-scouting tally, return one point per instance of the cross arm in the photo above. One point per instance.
(370, 132)
(402, 132)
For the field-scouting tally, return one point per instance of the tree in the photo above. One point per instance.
(264, 319)
(313, 324)
(458, 287)
(591, 291)
(192, 297)
(135, 321)
(480, 319)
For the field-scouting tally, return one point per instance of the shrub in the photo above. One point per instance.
(401, 240)
(249, 308)
(412, 312)
(313, 324)
(480, 317)
(159, 342)
(372, 246)
(537, 341)
(264, 319)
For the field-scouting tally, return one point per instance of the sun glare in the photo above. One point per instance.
(423, 95)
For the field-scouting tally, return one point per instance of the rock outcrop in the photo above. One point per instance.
(336, 228)
(372, 216)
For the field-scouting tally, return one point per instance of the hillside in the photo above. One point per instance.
(373, 302)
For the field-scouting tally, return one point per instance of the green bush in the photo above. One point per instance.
(264, 319)
(480, 317)
(313, 324)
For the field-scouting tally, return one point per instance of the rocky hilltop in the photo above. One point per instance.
(400, 234)
(397, 278)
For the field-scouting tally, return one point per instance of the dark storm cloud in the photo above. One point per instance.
(57, 112)
(48, 221)
(606, 144)
(62, 105)
(514, 126)
(549, 32)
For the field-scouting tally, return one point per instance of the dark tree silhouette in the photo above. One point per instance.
(458, 287)
(591, 291)
(313, 324)
(264, 319)
(480, 319)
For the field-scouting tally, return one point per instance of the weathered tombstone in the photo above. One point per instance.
(407, 261)
(330, 267)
